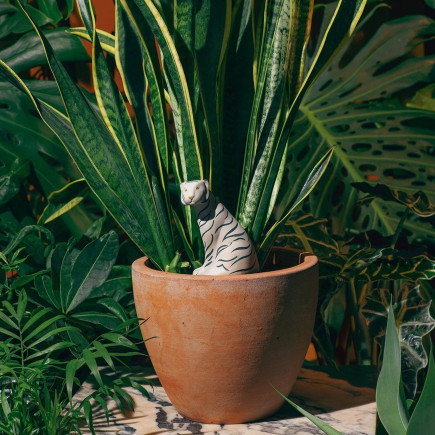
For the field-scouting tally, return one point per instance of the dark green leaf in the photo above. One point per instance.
(390, 399)
(43, 285)
(27, 52)
(91, 362)
(91, 267)
(418, 202)
(114, 307)
(63, 200)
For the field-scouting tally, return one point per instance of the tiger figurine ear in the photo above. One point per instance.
(207, 189)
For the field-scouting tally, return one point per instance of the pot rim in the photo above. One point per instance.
(309, 260)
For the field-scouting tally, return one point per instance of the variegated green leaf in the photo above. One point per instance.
(344, 21)
(107, 40)
(418, 202)
(88, 151)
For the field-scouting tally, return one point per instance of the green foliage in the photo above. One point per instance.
(358, 105)
(23, 136)
(58, 325)
(398, 416)
(234, 76)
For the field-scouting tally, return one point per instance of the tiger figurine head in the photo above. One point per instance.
(193, 192)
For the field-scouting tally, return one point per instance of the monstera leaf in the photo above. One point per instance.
(412, 316)
(354, 108)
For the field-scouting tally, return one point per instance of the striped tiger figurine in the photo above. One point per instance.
(228, 248)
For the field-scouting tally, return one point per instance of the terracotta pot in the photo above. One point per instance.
(220, 342)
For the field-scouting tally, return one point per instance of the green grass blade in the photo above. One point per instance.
(315, 420)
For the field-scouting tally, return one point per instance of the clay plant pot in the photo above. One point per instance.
(221, 342)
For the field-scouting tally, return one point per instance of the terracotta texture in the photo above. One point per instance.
(220, 342)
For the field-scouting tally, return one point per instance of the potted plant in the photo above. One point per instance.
(214, 88)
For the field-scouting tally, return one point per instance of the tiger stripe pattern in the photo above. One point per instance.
(228, 248)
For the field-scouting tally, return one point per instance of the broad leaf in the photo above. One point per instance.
(91, 268)
(28, 52)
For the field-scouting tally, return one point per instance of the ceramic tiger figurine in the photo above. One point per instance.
(228, 248)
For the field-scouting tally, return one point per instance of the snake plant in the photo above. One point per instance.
(214, 88)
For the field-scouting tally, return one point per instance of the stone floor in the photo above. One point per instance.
(345, 400)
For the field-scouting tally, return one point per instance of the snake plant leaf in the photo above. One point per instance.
(184, 40)
(95, 147)
(187, 155)
(107, 40)
(90, 269)
(139, 66)
(418, 202)
(378, 139)
(310, 183)
(414, 320)
(27, 51)
(211, 34)
(325, 427)
(187, 143)
(390, 398)
(343, 23)
(271, 78)
(423, 416)
(118, 121)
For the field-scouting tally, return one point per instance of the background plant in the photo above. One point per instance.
(48, 346)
